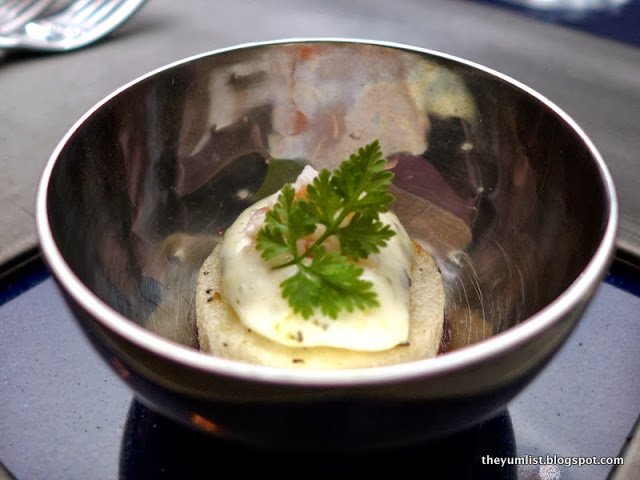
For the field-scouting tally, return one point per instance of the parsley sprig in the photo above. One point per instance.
(344, 204)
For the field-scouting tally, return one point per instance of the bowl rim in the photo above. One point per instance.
(579, 291)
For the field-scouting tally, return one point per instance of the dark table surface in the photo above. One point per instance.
(64, 415)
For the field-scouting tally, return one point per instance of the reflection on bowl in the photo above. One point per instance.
(502, 187)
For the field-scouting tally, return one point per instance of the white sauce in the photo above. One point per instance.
(252, 288)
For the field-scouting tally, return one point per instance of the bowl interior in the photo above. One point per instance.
(500, 188)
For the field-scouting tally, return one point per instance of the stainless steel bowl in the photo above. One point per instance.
(140, 189)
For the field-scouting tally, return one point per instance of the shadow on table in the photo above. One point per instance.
(156, 447)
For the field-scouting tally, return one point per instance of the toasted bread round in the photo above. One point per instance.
(221, 333)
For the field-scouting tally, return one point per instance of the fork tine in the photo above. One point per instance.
(14, 8)
(73, 8)
(17, 12)
(88, 13)
(88, 10)
(102, 13)
(5, 4)
(100, 5)
(8, 9)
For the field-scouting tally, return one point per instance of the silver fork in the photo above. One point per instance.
(14, 13)
(79, 24)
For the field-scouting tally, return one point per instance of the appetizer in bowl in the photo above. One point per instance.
(393, 290)
(322, 275)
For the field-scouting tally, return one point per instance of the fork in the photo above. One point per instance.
(79, 24)
(14, 13)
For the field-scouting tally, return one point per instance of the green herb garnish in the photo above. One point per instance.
(344, 204)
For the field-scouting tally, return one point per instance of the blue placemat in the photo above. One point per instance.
(613, 20)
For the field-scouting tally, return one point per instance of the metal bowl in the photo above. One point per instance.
(503, 188)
